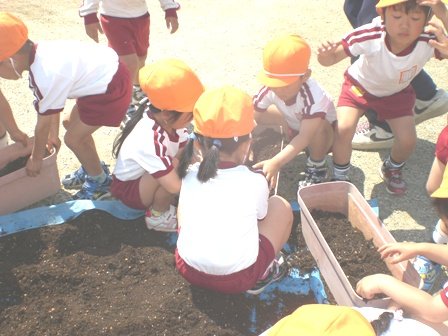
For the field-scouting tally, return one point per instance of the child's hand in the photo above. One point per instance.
(442, 40)
(398, 251)
(369, 286)
(270, 170)
(33, 166)
(437, 6)
(93, 30)
(326, 53)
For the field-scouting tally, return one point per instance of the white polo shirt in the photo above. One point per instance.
(218, 219)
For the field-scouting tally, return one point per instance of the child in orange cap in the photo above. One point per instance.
(59, 70)
(290, 96)
(328, 320)
(230, 230)
(146, 150)
(393, 48)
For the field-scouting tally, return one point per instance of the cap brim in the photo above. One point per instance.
(276, 81)
(440, 193)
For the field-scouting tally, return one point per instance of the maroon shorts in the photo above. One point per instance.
(442, 146)
(397, 105)
(109, 108)
(128, 192)
(127, 35)
(232, 283)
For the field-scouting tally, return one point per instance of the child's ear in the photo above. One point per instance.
(380, 12)
(307, 75)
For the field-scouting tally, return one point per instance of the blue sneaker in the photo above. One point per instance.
(278, 269)
(76, 179)
(92, 190)
(428, 271)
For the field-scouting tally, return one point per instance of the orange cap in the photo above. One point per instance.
(323, 320)
(170, 84)
(13, 35)
(224, 113)
(285, 59)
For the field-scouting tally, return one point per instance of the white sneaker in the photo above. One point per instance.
(369, 136)
(438, 105)
(166, 222)
(4, 141)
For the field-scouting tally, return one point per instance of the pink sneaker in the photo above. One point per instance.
(395, 184)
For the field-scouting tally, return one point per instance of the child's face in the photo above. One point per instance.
(290, 91)
(403, 28)
(183, 120)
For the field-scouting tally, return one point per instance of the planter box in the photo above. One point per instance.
(17, 190)
(344, 198)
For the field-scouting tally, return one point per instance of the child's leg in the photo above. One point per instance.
(321, 143)
(80, 141)
(153, 195)
(276, 226)
(348, 118)
(405, 135)
(271, 118)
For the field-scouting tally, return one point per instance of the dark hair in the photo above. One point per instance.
(441, 206)
(144, 107)
(412, 5)
(210, 148)
(26, 48)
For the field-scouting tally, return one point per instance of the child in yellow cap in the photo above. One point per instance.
(146, 150)
(61, 70)
(292, 98)
(392, 50)
(230, 230)
(329, 320)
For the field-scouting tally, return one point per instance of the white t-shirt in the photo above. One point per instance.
(62, 70)
(120, 8)
(311, 102)
(377, 69)
(148, 148)
(218, 219)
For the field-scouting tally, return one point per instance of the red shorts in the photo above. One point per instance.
(444, 295)
(128, 192)
(442, 146)
(109, 108)
(231, 283)
(397, 105)
(127, 35)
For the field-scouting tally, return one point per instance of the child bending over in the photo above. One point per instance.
(230, 230)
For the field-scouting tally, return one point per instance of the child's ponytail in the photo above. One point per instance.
(209, 165)
(186, 156)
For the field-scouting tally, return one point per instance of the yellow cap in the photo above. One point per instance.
(285, 59)
(442, 191)
(224, 113)
(323, 320)
(387, 3)
(13, 35)
(170, 84)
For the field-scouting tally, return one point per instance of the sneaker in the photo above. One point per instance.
(368, 136)
(76, 179)
(92, 190)
(166, 222)
(314, 175)
(137, 95)
(395, 184)
(435, 107)
(276, 271)
(428, 271)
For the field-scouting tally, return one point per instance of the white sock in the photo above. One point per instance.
(99, 178)
(438, 235)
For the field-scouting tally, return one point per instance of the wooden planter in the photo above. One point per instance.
(17, 190)
(344, 198)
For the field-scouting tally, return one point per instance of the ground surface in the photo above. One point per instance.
(98, 275)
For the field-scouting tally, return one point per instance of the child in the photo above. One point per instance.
(58, 70)
(414, 301)
(126, 25)
(8, 125)
(230, 231)
(392, 49)
(290, 96)
(144, 175)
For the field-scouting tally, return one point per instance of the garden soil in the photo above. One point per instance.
(98, 275)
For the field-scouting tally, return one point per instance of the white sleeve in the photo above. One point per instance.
(53, 95)
(88, 7)
(262, 100)
(262, 194)
(169, 4)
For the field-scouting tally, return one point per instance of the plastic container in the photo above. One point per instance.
(17, 190)
(344, 197)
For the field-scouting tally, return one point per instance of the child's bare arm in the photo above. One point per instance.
(330, 53)
(412, 300)
(41, 133)
(170, 182)
(8, 121)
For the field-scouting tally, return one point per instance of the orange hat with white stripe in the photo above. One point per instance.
(13, 35)
(323, 320)
(285, 60)
(171, 85)
(223, 113)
